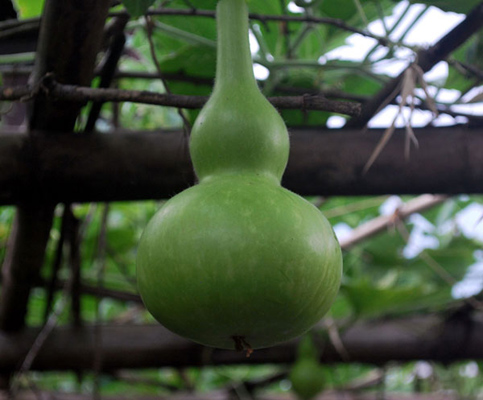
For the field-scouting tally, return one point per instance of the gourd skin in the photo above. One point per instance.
(244, 135)
(237, 258)
(238, 130)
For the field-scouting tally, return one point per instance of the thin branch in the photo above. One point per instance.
(75, 266)
(339, 23)
(133, 379)
(20, 93)
(436, 267)
(121, 74)
(98, 334)
(372, 202)
(468, 68)
(152, 50)
(256, 384)
(383, 222)
(15, 23)
(109, 66)
(103, 292)
(57, 263)
(45, 332)
(24, 93)
(20, 30)
(176, 76)
(43, 335)
(52, 89)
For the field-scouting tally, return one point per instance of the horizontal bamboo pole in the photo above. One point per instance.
(427, 337)
(153, 165)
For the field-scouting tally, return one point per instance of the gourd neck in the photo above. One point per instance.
(234, 62)
(238, 131)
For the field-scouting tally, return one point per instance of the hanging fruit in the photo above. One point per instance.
(237, 261)
(307, 376)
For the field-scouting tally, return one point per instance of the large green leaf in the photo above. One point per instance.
(371, 301)
(29, 8)
(192, 61)
(385, 250)
(470, 53)
(137, 8)
(199, 4)
(347, 11)
(453, 259)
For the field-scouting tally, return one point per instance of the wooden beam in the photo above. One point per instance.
(25, 254)
(155, 165)
(69, 41)
(67, 47)
(227, 395)
(428, 338)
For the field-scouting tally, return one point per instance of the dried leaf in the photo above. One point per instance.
(410, 137)
(382, 143)
(429, 98)
(407, 88)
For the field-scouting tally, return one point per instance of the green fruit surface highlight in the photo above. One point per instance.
(238, 258)
(237, 261)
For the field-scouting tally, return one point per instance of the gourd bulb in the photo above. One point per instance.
(237, 261)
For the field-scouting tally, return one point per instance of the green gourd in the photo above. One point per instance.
(307, 376)
(237, 261)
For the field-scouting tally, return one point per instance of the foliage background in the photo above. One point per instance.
(384, 277)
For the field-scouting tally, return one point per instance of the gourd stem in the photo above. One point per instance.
(234, 62)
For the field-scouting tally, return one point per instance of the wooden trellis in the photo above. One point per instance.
(51, 165)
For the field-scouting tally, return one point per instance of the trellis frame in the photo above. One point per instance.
(450, 164)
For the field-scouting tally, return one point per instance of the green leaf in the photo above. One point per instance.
(137, 8)
(371, 301)
(454, 258)
(29, 8)
(198, 4)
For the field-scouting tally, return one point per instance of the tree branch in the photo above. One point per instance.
(383, 222)
(108, 67)
(51, 89)
(339, 23)
(193, 12)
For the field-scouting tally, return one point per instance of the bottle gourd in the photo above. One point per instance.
(237, 261)
(307, 375)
